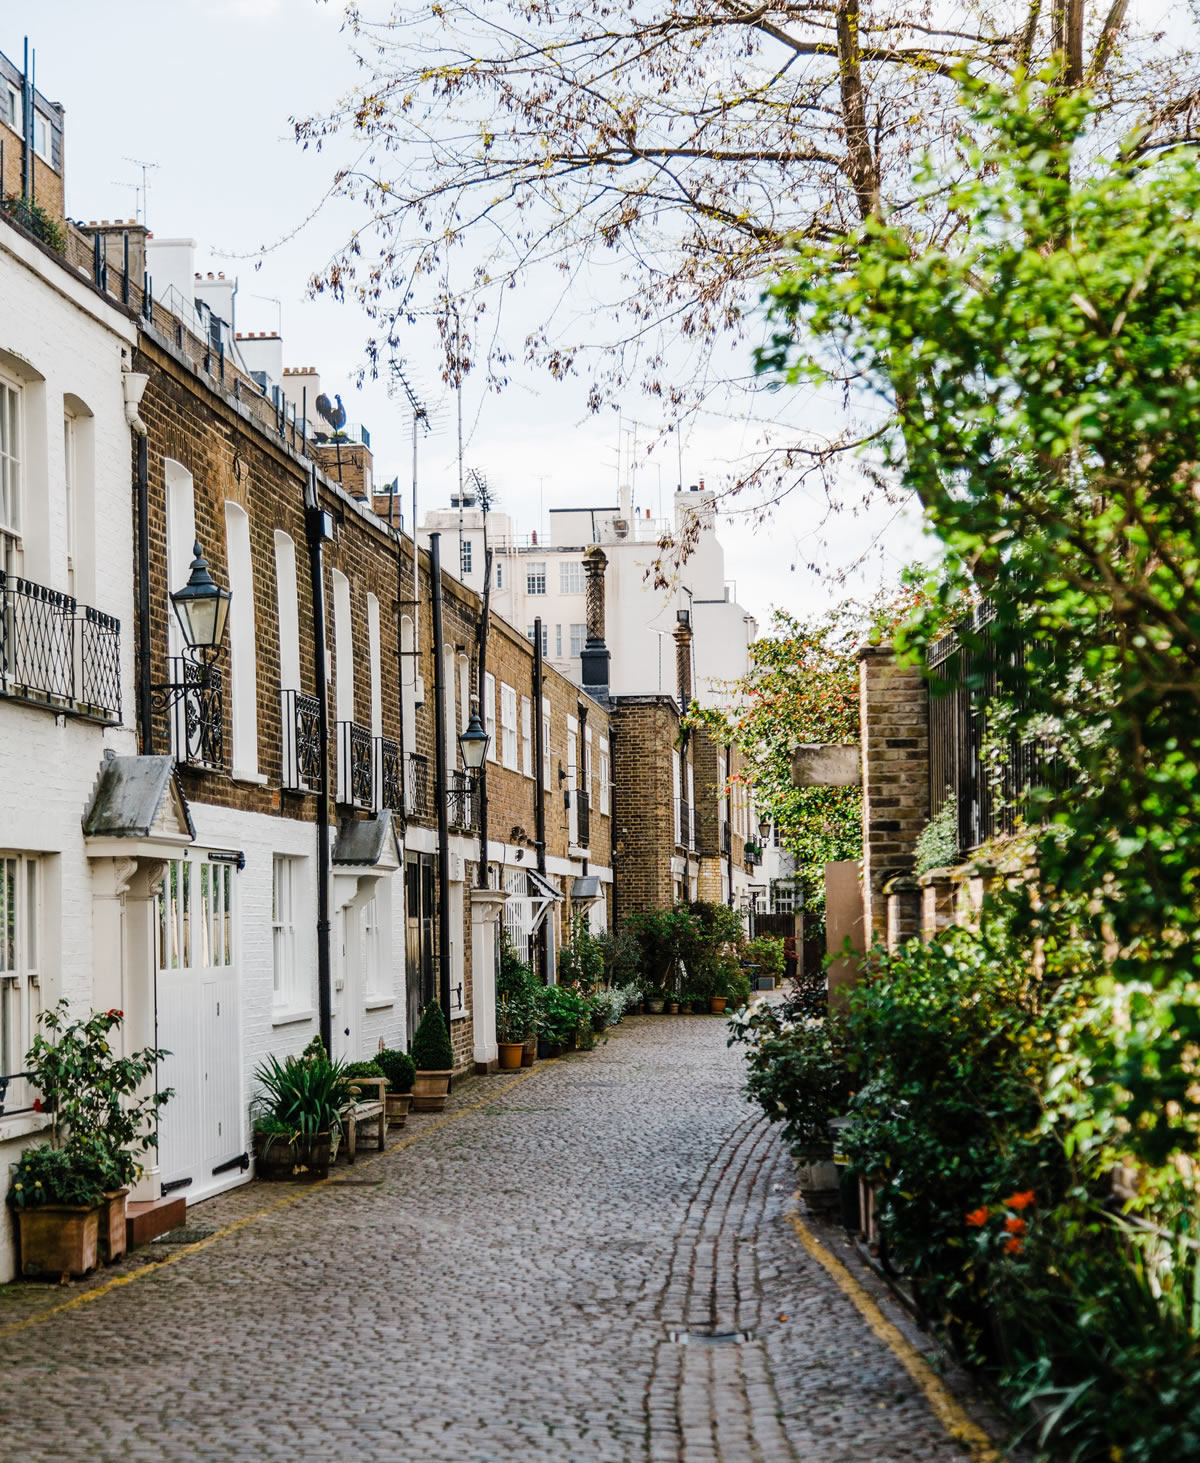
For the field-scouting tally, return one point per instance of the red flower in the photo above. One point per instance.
(1012, 1245)
(37, 1105)
(1014, 1225)
(1020, 1201)
(977, 1218)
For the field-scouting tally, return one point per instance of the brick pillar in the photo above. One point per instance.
(894, 731)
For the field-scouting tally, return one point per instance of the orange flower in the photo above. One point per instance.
(1012, 1245)
(977, 1218)
(1014, 1225)
(1020, 1201)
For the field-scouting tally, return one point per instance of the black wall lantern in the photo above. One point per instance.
(193, 698)
(474, 741)
(203, 610)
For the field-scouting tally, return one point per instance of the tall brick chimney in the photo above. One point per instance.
(683, 659)
(595, 659)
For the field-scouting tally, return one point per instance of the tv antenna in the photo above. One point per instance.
(142, 189)
(400, 385)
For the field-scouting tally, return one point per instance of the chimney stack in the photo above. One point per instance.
(683, 659)
(595, 657)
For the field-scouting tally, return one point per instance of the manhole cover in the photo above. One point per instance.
(184, 1235)
(710, 1338)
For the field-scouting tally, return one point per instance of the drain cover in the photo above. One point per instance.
(710, 1338)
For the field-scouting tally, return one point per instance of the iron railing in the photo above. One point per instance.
(583, 819)
(194, 696)
(301, 724)
(989, 777)
(387, 775)
(416, 785)
(58, 653)
(16, 1094)
(461, 802)
(726, 839)
(356, 772)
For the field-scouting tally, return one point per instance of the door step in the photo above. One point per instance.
(146, 1219)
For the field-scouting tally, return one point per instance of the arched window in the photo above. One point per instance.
(289, 615)
(243, 647)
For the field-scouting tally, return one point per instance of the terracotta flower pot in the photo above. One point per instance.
(716, 1004)
(655, 1007)
(59, 1239)
(672, 1008)
(398, 1104)
(511, 1053)
(430, 1090)
(113, 1239)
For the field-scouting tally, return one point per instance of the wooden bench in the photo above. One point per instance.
(364, 1110)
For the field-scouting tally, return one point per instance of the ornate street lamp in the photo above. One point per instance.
(764, 829)
(474, 741)
(203, 609)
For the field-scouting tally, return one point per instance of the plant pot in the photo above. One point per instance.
(529, 1051)
(599, 1023)
(430, 1090)
(655, 1007)
(511, 1053)
(700, 1006)
(819, 1180)
(275, 1158)
(672, 1008)
(716, 1004)
(59, 1239)
(113, 1238)
(398, 1104)
(640, 1008)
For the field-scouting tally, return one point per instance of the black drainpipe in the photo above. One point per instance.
(484, 626)
(539, 752)
(313, 525)
(441, 781)
(612, 814)
(145, 724)
(729, 818)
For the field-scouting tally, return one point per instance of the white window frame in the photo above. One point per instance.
(572, 780)
(42, 135)
(558, 642)
(547, 782)
(691, 797)
(578, 639)
(12, 441)
(571, 576)
(489, 712)
(370, 930)
(499, 576)
(535, 579)
(676, 786)
(526, 736)
(508, 725)
(284, 870)
(603, 774)
(71, 492)
(464, 557)
(22, 932)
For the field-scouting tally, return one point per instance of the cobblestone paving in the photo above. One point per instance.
(511, 1285)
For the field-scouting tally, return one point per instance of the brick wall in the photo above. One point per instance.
(894, 729)
(646, 730)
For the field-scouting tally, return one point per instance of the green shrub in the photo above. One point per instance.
(305, 1094)
(937, 843)
(798, 1073)
(581, 959)
(516, 995)
(46, 1175)
(431, 1049)
(363, 1069)
(398, 1067)
(32, 216)
(561, 1011)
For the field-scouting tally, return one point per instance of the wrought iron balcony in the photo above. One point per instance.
(195, 701)
(301, 730)
(583, 819)
(356, 771)
(416, 786)
(57, 653)
(387, 775)
(462, 805)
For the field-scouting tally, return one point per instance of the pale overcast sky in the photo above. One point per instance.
(205, 91)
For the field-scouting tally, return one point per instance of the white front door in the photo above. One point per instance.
(201, 1128)
(347, 997)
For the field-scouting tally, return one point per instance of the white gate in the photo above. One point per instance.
(518, 912)
(201, 1127)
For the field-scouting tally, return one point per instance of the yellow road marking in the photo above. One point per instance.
(223, 1233)
(942, 1402)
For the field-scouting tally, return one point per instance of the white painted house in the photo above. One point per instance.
(66, 658)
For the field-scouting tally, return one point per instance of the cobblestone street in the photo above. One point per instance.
(506, 1283)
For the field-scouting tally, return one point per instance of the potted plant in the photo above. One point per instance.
(57, 1202)
(655, 1000)
(512, 1023)
(97, 1117)
(699, 1004)
(433, 1058)
(518, 986)
(560, 1011)
(300, 1103)
(604, 1009)
(399, 1069)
